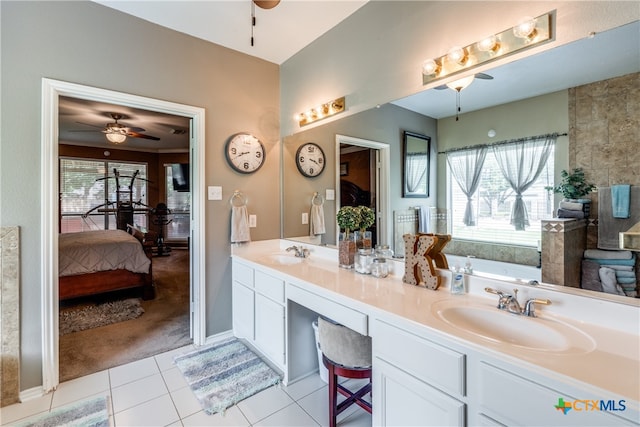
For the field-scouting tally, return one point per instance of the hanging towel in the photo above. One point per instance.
(316, 220)
(239, 224)
(620, 195)
(423, 219)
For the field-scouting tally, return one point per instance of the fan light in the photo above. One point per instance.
(116, 137)
(460, 84)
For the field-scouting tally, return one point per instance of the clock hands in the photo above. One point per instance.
(242, 154)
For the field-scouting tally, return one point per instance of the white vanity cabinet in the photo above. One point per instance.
(259, 310)
(417, 382)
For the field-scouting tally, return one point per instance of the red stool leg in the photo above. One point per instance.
(333, 394)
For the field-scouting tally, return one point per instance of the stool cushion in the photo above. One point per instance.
(344, 346)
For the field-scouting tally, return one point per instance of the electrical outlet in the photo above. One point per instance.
(305, 218)
(253, 221)
(214, 192)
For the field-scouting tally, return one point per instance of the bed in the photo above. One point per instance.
(94, 262)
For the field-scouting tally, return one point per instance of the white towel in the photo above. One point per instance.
(239, 224)
(570, 206)
(316, 220)
(603, 254)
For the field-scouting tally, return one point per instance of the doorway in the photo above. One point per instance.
(373, 181)
(52, 90)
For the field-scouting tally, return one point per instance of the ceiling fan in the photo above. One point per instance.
(452, 85)
(117, 132)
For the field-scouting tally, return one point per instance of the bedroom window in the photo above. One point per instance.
(483, 201)
(89, 186)
(179, 202)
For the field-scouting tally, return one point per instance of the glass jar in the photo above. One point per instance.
(383, 251)
(363, 261)
(379, 268)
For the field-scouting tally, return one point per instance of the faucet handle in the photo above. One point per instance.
(502, 302)
(529, 307)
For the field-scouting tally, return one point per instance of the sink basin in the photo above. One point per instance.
(491, 324)
(284, 259)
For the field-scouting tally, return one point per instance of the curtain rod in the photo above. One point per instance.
(510, 141)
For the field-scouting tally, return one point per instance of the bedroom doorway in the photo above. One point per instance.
(52, 91)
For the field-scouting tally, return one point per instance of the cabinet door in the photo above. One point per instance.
(401, 400)
(242, 307)
(270, 323)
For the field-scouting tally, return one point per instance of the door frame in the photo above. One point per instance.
(383, 184)
(51, 91)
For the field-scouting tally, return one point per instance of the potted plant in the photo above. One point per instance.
(367, 219)
(348, 219)
(574, 187)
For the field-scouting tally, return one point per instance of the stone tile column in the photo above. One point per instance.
(564, 241)
(9, 315)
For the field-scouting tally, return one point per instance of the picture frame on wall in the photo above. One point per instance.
(344, 169)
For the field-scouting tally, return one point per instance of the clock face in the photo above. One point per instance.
(245, 153)
(310, 159)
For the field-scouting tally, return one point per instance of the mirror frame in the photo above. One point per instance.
(408, 138)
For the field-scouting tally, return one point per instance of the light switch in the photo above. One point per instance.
(214, 192)
(305, 218)
(330, 194)
(252, 221)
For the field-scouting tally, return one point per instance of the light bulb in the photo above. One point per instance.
(457, 54)
(490, 44)
(526, 28)
(430, 67)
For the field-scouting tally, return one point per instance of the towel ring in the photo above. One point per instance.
(317, 199)
(238, 199)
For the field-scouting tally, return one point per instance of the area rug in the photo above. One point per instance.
(87, 413)
(224, 374)
(74, 319)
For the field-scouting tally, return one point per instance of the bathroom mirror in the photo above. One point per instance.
(416, 150)
(395, 117)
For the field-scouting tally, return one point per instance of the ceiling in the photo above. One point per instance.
(228, 22)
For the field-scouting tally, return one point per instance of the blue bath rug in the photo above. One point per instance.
(87, 413)
(224, 374)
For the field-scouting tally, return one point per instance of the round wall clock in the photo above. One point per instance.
(310, 159)
(245, 153)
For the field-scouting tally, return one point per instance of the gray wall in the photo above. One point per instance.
(89, 44)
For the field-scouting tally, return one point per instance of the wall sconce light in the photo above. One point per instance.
(320, 112)
(529, 32)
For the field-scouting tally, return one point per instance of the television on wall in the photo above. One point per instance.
(180, 177)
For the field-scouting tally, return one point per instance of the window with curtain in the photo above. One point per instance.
(179, 202)
(510, 199)
(87, 184)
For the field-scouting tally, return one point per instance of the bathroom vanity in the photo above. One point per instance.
(442, 359)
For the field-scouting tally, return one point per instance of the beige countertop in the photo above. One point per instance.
(601, 356)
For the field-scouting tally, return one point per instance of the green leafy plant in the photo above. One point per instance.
(367, 217)
(348, 218)
(573, 185)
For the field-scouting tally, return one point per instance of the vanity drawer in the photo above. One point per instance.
(337, 312)
(432, 363)
(242, 274)
(269, 286)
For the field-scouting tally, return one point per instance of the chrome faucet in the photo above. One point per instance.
(510, 303)
(301, 252)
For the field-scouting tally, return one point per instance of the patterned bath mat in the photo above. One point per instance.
(224, 374)
(87, 413)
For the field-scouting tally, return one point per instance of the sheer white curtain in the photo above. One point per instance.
(466, 169)
(521, 163)
(416, 171)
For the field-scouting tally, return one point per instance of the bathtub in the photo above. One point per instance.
(497, 268)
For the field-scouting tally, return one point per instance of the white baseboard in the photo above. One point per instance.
(212, 339)
(31, 393)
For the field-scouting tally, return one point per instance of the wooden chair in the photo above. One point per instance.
(346, 354)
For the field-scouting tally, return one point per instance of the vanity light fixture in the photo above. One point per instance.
(529, 32)
(323, 111)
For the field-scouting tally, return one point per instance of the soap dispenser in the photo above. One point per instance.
(468, 268)
(457, 285)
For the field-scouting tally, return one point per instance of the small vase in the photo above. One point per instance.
(346, 250)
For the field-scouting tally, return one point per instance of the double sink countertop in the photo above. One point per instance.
(592, 340)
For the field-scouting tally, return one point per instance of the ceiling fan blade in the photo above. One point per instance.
(483, 76)
(88, 124)
(141, 135)
(441, 87)
(83, 130)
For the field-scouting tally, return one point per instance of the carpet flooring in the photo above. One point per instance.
(87, 413)
(224, 374)
(164, 325)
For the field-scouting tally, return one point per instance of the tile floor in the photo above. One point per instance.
(152, 392)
